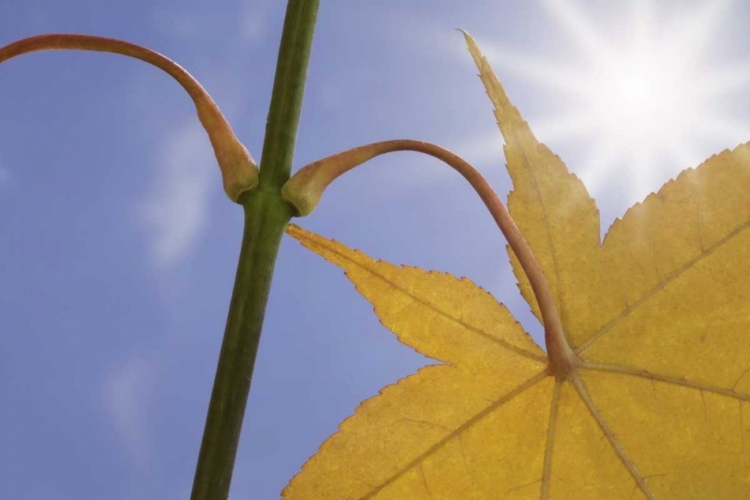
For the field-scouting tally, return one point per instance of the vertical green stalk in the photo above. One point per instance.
(266, 217)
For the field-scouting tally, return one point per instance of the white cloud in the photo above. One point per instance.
(254, 27)
(251, 23)
(126, 394)
(483, 150)
(256, 18)
(175, 208)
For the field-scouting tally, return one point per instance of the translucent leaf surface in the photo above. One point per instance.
(659, 314)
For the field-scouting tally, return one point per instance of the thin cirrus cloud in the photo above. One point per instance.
(126, 393)
(256, 20)
(250, 24)
(174, 210)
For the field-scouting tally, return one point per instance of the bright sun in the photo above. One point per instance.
(644, 101)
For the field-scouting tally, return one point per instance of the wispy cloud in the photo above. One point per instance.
(256, 18)
(174, 210)
(483, 150)
(126, 394)
(250, 24)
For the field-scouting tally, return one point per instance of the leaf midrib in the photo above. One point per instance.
(507, 345)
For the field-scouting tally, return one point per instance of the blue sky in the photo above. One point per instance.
(119, 246)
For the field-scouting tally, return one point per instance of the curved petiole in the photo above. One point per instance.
(239, 171)
(304, 189)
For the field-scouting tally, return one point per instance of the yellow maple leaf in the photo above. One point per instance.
(657, 405)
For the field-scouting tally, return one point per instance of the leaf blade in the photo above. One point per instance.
(437, 314)
(554, 211)
(659, 406)
(684, 251)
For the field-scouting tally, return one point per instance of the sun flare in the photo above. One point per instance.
(642, 102)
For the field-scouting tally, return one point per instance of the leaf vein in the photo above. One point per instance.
(618, 448)
(501, 342)
(666, 379)
(456, 433)
(549, 445)
(674, 276)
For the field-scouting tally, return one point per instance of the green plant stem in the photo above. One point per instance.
(288, 87)
(266, 217)
(265, 220)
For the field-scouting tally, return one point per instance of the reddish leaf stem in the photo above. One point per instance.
(305, 188)
(238, 169)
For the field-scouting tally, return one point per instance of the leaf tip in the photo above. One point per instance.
(469, 39)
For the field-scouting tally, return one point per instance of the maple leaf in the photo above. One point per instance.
(657, 404)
